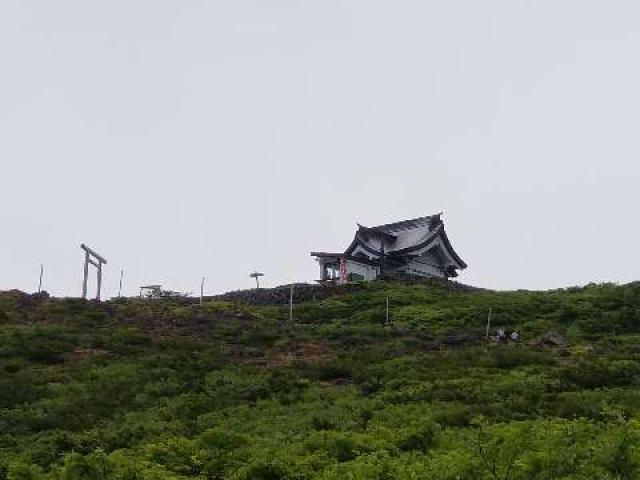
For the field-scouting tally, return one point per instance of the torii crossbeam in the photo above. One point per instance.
(95, 259)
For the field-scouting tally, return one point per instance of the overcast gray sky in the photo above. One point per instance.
(184, 138)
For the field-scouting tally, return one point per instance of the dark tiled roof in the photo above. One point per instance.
(429, 221)
(376, 232)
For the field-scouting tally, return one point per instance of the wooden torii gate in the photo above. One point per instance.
(95, 259)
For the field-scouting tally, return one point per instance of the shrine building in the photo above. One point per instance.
(418, 247)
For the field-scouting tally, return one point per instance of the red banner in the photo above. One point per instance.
(343, 271)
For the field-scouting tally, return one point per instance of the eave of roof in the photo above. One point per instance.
(452, 252)
(359, 242)
(439, 232)
(327, 254)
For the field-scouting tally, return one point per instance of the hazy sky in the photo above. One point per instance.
(184, 138)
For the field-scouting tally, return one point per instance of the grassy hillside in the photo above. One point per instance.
(160, 390)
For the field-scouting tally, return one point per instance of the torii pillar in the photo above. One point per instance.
(95, 259)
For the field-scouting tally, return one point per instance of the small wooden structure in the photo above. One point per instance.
(153, 292)
(95, 259)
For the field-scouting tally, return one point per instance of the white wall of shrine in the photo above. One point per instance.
(369, 272)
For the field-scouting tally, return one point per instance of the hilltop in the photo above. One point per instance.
(134, 389)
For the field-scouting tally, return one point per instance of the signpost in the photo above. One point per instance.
(257, 276)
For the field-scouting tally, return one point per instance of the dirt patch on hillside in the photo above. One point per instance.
(160, 326)
(81, 352)
(310, 352)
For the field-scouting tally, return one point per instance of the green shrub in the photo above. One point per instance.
(597, 372)
(24, 471)
(510, 356)
(338, 445)
(42, 344)
(453, 415)
(421, 437)
(265, 470)
(94, 466)
(332, 370)
(177, 454)
(320, 422)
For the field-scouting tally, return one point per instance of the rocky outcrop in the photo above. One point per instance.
(302, 292)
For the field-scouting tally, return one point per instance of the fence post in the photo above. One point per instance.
(291, 304)
(387, 321)
(486, 332)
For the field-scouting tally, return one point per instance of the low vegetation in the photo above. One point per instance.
(133, 390)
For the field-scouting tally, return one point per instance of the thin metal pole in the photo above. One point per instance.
(120, 287)
(291, 304)
(201, 291)
(486, 332)
(257, 282)
(40, 282)
(387, 322)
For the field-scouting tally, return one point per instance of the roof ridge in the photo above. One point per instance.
(410, 223)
